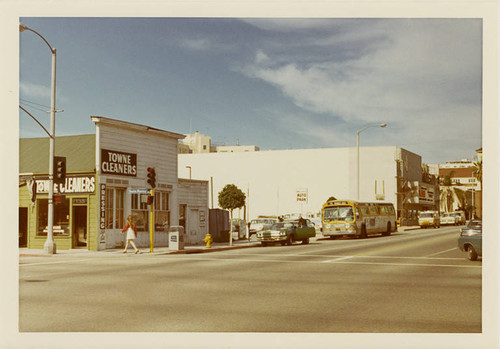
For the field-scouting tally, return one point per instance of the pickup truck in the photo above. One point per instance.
(287, 232)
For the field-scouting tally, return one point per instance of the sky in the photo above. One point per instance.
(274, 83)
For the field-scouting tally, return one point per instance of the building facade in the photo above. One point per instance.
(281, 182)
(107, 181)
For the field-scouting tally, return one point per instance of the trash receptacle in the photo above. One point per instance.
(176, 237)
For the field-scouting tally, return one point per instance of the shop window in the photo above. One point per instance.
(140, 212)
(61, 218)
(162, 212)
(114, 208)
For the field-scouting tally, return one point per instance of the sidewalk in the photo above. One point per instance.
(220, 246)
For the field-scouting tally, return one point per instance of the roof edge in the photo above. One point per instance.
(144, 128)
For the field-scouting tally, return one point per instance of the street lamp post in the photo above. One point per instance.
(50, 245)
(357, 157)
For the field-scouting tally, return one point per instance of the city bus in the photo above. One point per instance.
(358, 219)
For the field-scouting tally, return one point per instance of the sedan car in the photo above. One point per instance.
(471, 239)
(287, 232)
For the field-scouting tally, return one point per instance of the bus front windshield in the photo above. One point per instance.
(338, 213)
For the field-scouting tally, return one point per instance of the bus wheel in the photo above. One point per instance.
(363, 232)
(289, 241)
(305, 241)
(388, 231)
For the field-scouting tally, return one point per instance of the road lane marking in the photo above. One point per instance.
(435, 254)
(337, 259)
(337, 256)
(404, 246)
(333, 262)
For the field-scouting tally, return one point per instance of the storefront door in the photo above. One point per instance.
(23, 226)
(79, 226)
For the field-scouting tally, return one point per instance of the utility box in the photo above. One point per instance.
(176, 238)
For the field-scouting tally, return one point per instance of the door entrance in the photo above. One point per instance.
(23, 226)
(79, 226)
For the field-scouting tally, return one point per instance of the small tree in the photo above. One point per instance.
(331, 198)
(231, 197)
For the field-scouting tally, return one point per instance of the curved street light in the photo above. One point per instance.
(357, 158)
(50, 245)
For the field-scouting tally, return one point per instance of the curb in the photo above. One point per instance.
(213, 249)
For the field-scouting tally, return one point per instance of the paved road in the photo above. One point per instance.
(416, 282)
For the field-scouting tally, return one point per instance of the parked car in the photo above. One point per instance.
(449, 218)
(471, 239)
(260, 224)
(460, 217)
(428, 219)
(287, 232)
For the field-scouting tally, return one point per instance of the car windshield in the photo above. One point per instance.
(426, 215)
(448, 215)
(277, 226)
(258, 221)
(338, 213)
(290, 224)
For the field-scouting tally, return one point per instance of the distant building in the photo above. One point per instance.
(235, 148)
(281, 182)
(197, 143)
(459, 187)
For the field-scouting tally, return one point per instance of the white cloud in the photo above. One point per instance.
(426, 69)
(29, 90)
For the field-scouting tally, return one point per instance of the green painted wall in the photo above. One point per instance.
(62, 243)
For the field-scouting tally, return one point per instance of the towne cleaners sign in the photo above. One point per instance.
(118, 163)
(72, 185)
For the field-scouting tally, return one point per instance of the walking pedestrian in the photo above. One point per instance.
(131, 230)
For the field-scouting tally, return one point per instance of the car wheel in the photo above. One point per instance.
(289, 240)
(472, 254)
(305, 241)
(332, 237)
(264, 244)
(283, 243)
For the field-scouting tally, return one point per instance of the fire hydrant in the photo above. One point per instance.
(208, 240)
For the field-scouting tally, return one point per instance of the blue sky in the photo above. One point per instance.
(274, 83)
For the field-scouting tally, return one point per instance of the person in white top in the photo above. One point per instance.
(131, 230)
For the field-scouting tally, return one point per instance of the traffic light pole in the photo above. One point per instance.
(151, 220)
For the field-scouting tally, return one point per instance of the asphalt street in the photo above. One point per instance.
(412, 282)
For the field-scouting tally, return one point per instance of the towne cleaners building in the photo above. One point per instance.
(106, 180)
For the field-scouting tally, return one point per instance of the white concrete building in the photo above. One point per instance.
(280, 182)
(235, 148)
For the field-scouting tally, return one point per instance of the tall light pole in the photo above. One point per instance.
(357, 157)
(50, 245)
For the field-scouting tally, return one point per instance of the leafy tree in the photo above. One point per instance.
(331, 198)
(477, 171)
(230, 198)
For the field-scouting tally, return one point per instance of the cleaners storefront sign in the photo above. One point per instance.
(72, 185)
(118, 163)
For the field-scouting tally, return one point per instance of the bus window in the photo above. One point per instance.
(373, 210)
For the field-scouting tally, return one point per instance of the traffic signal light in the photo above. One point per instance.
(151, 177)
(59, 169)
(150, 199)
